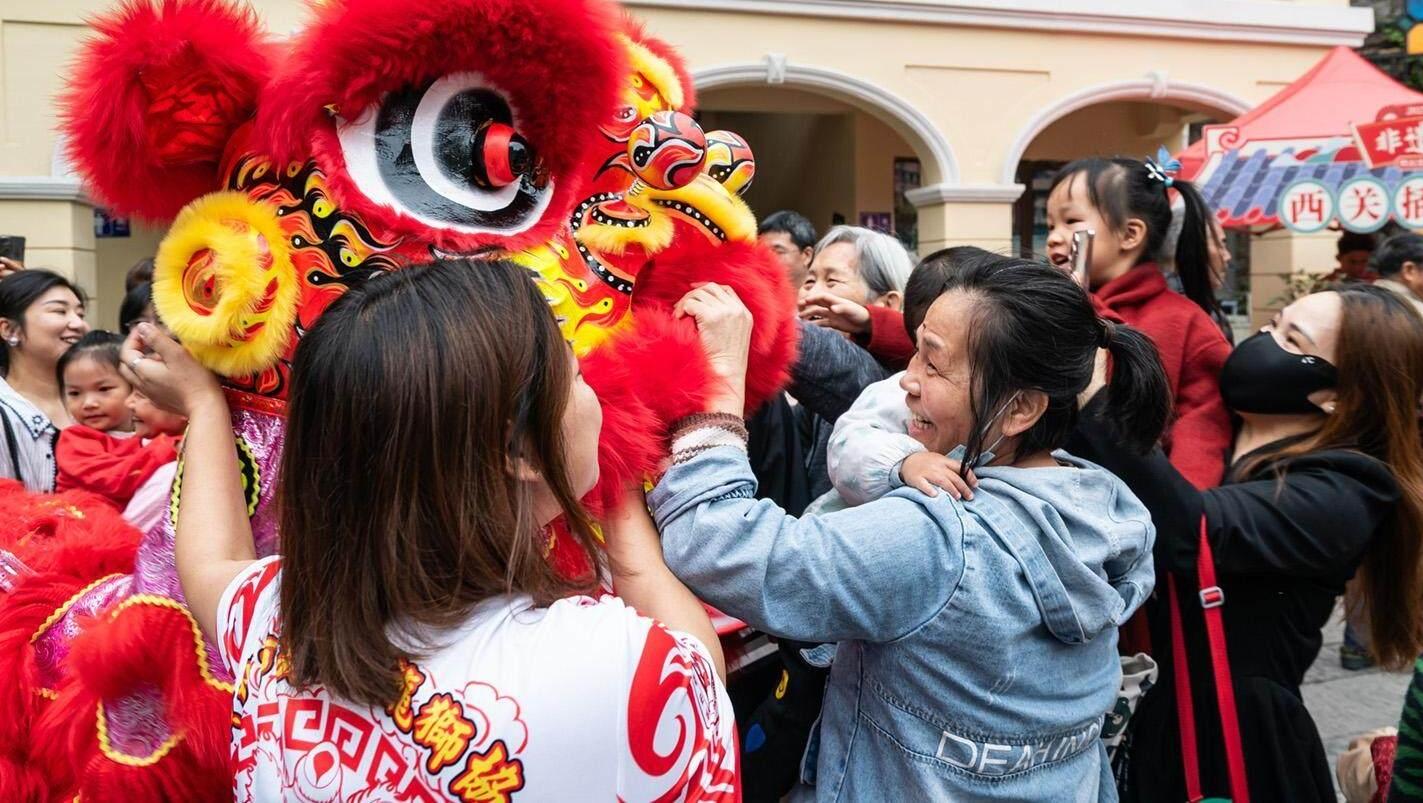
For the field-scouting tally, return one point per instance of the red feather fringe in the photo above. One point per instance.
(143, 646)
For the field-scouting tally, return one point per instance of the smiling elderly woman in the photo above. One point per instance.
(977, 639)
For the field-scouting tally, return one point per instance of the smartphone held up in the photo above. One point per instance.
(1081, 254)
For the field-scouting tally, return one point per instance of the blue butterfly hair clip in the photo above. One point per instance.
(1164, 167)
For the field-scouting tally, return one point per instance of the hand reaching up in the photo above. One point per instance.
(161, 369)
(824, 308)
(724, 324)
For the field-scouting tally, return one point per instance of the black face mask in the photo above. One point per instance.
(1261, 377)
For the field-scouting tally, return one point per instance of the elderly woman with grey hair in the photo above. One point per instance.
(868, 270)
(859, 265)
(854, 274)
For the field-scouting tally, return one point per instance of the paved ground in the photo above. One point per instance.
(1345, 704)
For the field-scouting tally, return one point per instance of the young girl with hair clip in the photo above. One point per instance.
(1325, 483)
(977, 638)
(1128, 204)
(437, 422)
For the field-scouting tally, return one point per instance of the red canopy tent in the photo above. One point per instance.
(1319, 130)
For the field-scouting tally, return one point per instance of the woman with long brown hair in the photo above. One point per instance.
(412, 639)
(1325, 482)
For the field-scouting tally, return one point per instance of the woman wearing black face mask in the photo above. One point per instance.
(1326, 480)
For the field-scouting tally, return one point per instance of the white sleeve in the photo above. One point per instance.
(869, 442)
(247, 605)
(673, 689)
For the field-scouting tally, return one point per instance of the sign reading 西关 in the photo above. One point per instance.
(1391, 142)
(1306, 206)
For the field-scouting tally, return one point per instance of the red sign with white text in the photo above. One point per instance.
(1391, 142)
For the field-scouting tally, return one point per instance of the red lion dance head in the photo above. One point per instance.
(385, 132)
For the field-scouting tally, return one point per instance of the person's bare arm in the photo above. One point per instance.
(643, 580)
(214, 536)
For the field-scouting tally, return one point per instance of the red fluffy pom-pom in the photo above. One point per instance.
(655, 372)
(752, 271)
(156, 94)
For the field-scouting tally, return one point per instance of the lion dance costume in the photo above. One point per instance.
(384, 133)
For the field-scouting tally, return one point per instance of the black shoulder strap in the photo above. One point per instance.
(10, 444)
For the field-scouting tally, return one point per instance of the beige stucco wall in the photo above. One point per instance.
(979, 86)
(1115, 128)
(976, 89)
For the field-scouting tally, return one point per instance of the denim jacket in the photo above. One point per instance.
(977, 639)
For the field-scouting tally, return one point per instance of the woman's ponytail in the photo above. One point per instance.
(1193, 261)
(1138, 395)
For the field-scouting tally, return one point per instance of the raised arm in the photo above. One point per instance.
(642, 579)
(214, 537)
(871, 573)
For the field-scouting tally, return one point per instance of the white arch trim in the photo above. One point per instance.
(775, 70)
(1154, 87)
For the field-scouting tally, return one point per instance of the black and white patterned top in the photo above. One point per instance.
(28, 435)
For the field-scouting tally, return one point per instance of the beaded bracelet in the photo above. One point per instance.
(731, 423)
(697, 433)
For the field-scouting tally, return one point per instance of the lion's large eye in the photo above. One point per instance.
(448, 154)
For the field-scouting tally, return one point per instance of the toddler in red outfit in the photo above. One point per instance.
(99, 453)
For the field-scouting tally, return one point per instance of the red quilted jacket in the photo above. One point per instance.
(1192, 351)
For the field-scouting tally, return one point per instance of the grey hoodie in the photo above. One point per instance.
(978, 639)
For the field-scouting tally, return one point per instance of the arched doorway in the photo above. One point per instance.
(830, 146)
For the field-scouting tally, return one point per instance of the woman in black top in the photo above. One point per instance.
(1326, 480)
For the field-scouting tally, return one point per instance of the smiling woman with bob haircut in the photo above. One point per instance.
(41, 316)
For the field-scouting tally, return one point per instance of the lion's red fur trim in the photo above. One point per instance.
(656, 372)
(146, 644)
(751, 270)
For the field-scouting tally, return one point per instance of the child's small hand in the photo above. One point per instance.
(929, 472)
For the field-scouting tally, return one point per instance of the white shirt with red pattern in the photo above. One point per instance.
(582, 700)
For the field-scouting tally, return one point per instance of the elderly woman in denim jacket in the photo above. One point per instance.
(978, 637)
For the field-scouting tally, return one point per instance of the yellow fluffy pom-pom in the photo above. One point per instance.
(223, 282)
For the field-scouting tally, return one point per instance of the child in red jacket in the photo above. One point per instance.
(100, 453)
(1128, 204)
